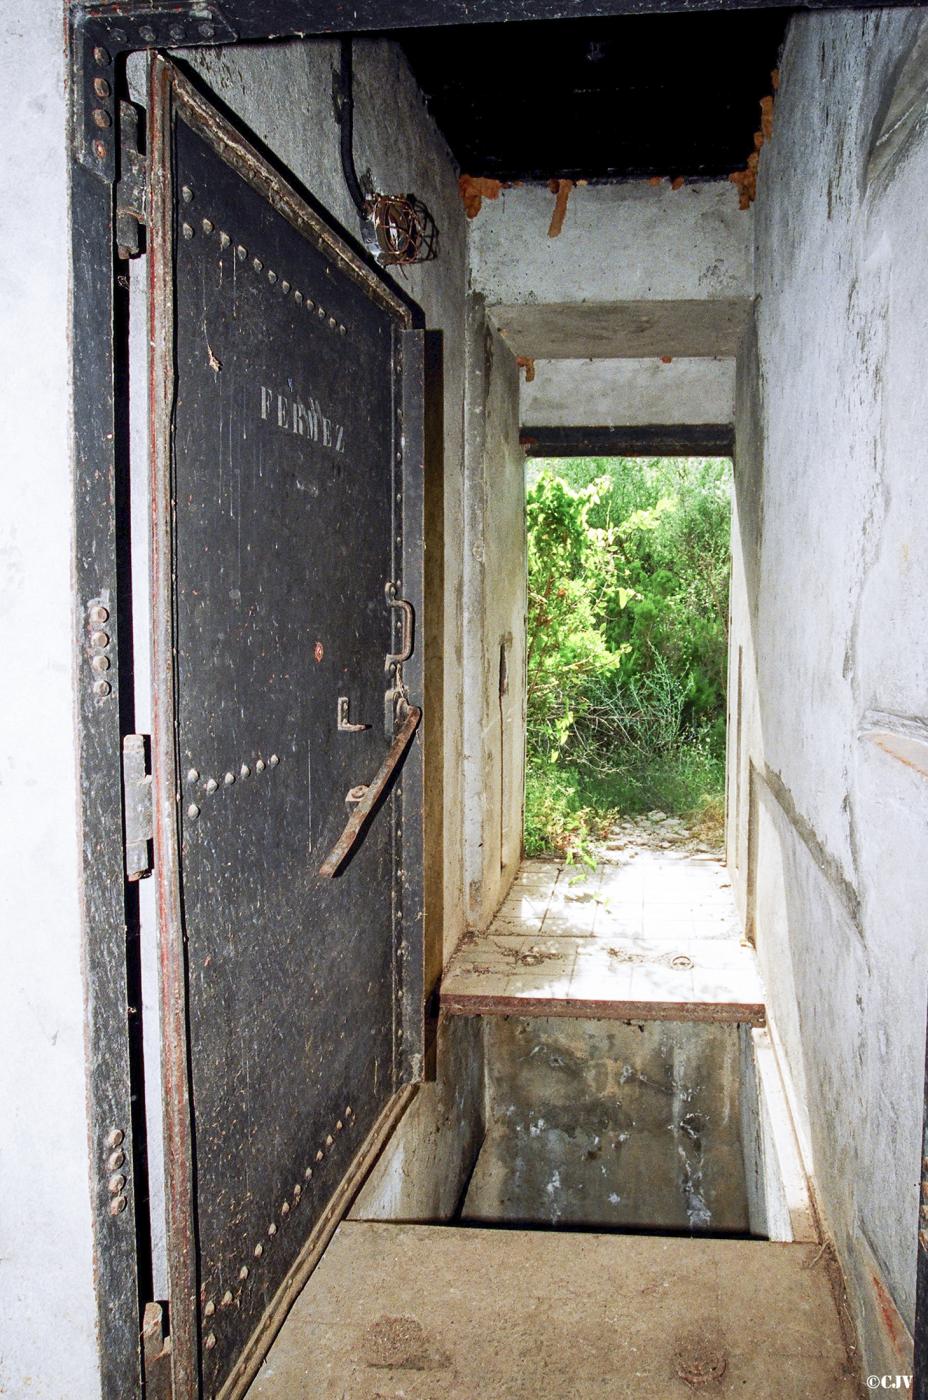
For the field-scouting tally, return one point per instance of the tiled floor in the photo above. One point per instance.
(654, 935)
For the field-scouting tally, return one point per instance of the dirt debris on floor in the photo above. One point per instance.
(700, 1359)
(657, 831)
(401, 1343)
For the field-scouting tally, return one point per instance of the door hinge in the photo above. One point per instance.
(137, 805)
(156, 1354)
(131, 187)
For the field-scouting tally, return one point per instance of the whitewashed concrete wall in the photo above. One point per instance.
(830, 597)
(46, 1284)
(494, 620)
(283, 92)
(637, 274)
(629, 392)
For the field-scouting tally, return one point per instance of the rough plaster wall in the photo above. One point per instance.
(283, 92)
(778, 1199)
(424, 1169)
(46, 1283)
(752, 1139)
(494, 620)
(629, 393)
(620, 243)
(830, 594)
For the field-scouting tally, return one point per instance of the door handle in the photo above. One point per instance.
(406, 640)
(368, 797)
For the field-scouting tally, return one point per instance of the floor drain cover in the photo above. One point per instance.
(681, 961)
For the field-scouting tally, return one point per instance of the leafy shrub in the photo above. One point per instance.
(558, 820)
(571, 588)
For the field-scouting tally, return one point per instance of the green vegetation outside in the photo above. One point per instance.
(628, 572)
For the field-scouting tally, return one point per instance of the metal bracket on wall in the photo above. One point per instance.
(137, 805)
(156, 1353)
(100, 35)
(132, 186)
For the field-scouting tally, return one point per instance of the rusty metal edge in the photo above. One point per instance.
(249, 1363)
(486, 1004)
(237, 151)
(409, 926)
(175, 1068)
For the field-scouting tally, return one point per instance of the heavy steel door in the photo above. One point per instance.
(286, 411)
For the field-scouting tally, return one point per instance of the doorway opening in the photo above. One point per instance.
(628, 581)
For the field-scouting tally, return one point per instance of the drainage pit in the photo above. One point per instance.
(599, 1125)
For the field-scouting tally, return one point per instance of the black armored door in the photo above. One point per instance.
(286, 413)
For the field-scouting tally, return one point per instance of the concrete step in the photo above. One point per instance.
(429, 1312)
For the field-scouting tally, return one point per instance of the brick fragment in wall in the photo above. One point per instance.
(561, 190)
(746, 179)
(475, 189)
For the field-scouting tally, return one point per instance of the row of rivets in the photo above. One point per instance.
(101, 115)
(188, 232)
(212, 785)
(209, 1306)
(116, 1158)
(97, 615)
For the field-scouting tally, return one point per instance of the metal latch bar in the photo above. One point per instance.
(370, 796)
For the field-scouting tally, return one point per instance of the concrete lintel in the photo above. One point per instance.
(629, 393)
(633, 329)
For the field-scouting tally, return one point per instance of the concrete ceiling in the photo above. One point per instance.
(620, 97)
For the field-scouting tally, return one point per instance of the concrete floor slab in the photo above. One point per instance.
(653, 935)
(435, 1313)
